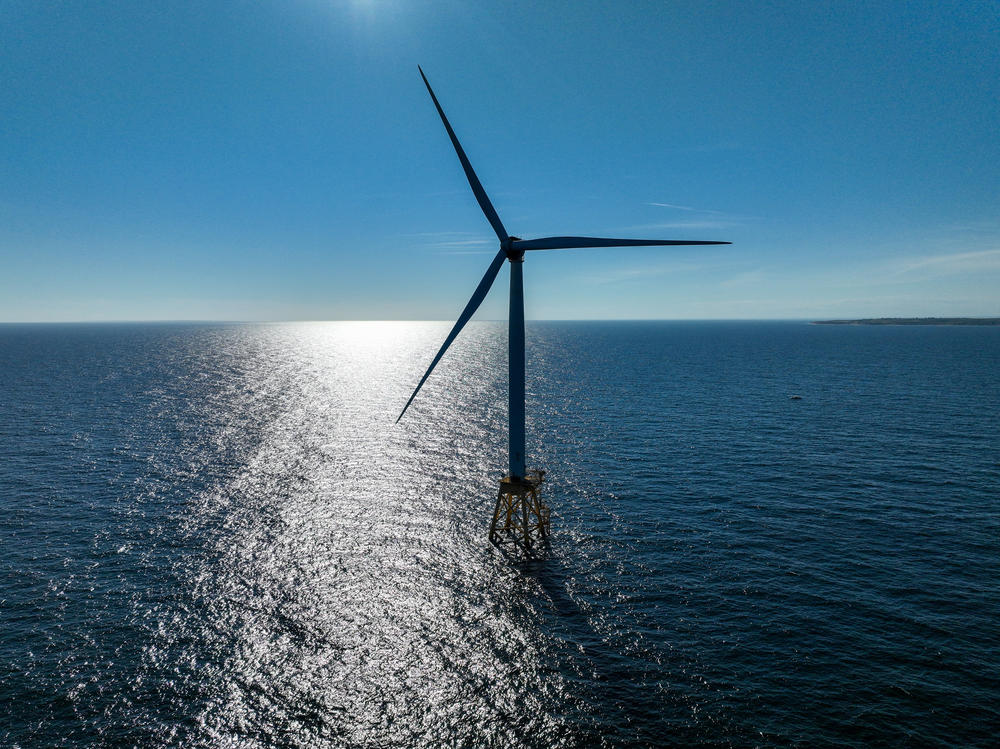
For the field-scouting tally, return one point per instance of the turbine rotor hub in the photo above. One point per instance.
(507, 245)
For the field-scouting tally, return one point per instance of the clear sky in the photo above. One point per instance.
(281, 160)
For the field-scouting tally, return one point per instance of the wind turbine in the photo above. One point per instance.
(519, 516)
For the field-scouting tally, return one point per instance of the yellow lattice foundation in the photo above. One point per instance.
(520, 516)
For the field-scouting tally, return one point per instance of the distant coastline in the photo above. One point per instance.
(914, 321)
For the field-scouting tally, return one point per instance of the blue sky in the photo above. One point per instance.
(282, 160)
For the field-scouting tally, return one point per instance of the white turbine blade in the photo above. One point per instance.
(477, 188)
(470, 309)
(565, 243)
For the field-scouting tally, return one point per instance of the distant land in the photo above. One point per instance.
(914, 321)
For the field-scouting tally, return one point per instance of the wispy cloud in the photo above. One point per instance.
(699, 218)
(959, 262)
(750, 278)
(694, 224)
(465, 243)
(684, 208)
(440, 235)
(455, 242)
(987, 226)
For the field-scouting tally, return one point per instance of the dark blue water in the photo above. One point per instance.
(214, 535)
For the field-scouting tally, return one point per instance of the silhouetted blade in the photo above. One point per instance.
(566, 243)
(477, 188)
(470, 309)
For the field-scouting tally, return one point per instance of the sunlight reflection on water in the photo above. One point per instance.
(345, 592)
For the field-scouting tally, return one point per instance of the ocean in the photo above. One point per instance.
(215, 535)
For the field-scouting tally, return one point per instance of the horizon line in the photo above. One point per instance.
(198, 321)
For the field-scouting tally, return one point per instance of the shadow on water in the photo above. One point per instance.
(628, 691)
(548, 572)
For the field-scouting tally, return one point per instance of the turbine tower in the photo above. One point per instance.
(519, 516)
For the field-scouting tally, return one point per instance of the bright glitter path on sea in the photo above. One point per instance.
(339, 588)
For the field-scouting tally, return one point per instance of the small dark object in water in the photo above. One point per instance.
(794, 397)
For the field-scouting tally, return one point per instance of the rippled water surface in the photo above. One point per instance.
(215, 535)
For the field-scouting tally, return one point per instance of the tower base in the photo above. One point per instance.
(520, 516)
